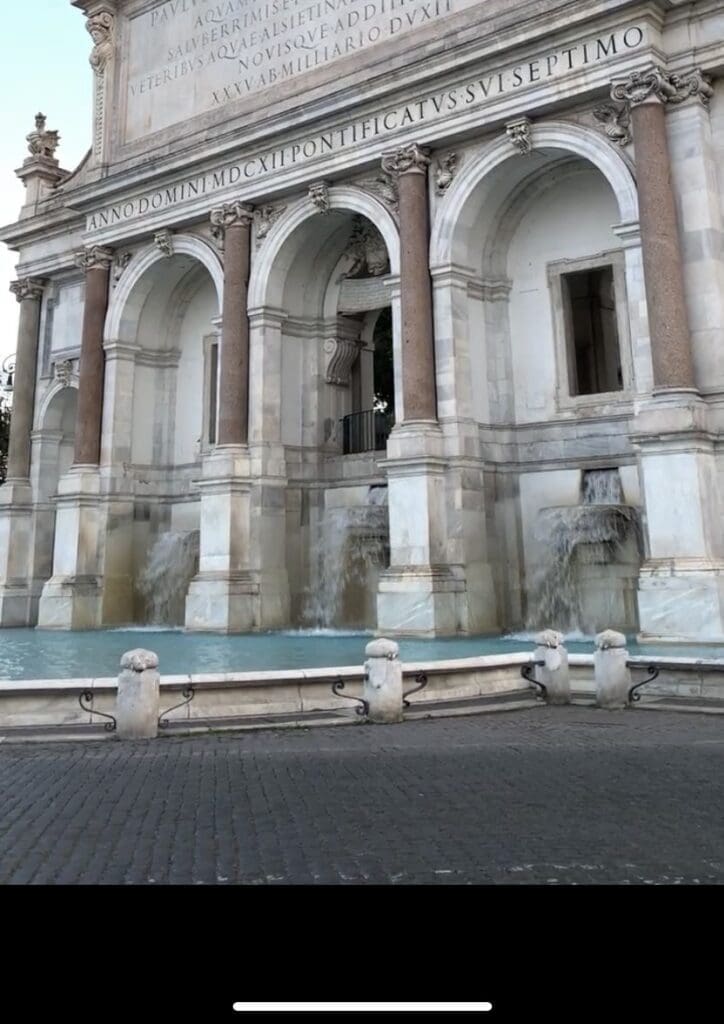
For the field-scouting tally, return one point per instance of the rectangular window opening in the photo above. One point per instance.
(592, 331)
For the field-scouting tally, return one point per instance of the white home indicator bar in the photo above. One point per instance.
(297, 1007)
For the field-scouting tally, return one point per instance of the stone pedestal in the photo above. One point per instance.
(241, 584)
(72, 597)
(681, 582)
(553, 673)
(137, 702)
(418, 595)
(383, 682)
(613, 678)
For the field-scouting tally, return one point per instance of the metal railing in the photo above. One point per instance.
(366, 431)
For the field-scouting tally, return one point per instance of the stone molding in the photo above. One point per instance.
(519, 133)
(319, 196)
(412, 159)
(230, 215)
(28, 288)
(96, 257)
(163, 240)
(101, 27)
(616, 121)
(120, 265)
(445, 170)
(340, 354)
(656, 84)
(265, 217)
(384, 187)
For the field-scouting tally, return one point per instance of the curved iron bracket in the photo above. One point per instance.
(87, 696)
(421, 680)
(188, 694)
(338, 685)
(526, 672)
(632, 695)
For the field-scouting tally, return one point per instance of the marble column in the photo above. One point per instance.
(421, 594)
(74, 596)
(647, 94)
(241, 582)
(681, 583)
(29, 294)
(234, 220)
(409, 165)
(96, 262)
(16, 496)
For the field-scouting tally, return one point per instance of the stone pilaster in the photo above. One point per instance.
(235, 221)
(29, 294)
(409, 166)
(101, 26)
(16, 498)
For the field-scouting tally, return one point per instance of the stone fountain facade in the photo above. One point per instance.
(199, 300)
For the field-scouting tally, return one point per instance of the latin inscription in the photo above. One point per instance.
(472, 93)
(224, 50)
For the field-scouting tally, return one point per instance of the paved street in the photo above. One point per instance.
(555, 795)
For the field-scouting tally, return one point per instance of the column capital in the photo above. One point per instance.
(654, 84)
(231, 215)
(412, 159)
(95, 257)
(28, 288)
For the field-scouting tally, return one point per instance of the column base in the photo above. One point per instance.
(419, 601)
(681, 602)
(71, 603)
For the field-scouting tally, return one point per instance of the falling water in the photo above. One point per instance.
(349, 542)
(163, 583)
(595, 532)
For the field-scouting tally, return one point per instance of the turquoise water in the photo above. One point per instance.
(41, 654)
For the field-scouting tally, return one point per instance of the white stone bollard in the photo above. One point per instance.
(553, 673)
(137, 703)
(383, 681)
(613, 677)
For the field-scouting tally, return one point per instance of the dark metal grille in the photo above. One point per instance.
(366, 431)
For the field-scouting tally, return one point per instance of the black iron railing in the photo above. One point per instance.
(366, 431)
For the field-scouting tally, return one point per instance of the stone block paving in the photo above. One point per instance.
(550, 795)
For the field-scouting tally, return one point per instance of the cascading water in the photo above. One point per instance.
(589, 557)
(172, 563)
(348, 549)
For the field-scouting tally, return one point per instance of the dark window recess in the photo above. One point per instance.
(213, 390)
(592, 332)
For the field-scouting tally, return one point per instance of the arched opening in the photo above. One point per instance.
(161, 421)
(53, 456)
(330, 287)
(549, 296)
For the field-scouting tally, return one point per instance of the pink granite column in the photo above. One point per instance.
(29, 294)
(97, 265)
(410, 165)
(647, 94)
(234, 219)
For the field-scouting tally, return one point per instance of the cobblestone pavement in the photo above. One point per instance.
(553, 795)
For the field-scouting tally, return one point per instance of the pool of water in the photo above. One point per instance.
(43, 654)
